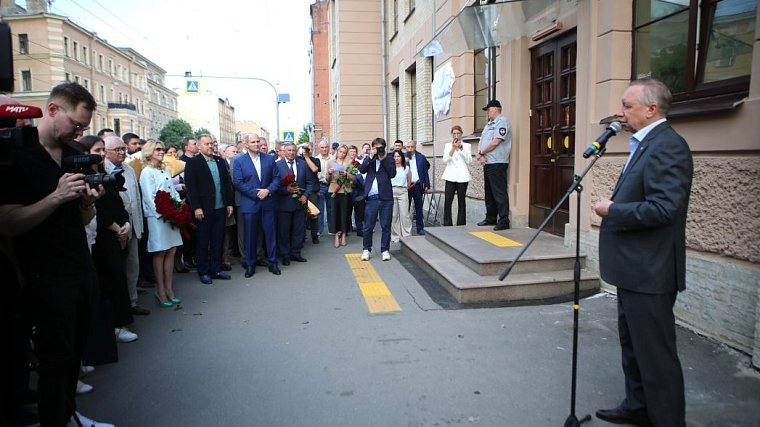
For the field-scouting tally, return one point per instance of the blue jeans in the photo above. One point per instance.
(324, 204)
(385, 209)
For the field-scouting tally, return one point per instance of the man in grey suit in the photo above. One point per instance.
(642, 251)
(116, 153)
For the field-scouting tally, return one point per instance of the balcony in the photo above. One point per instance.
(120, 106)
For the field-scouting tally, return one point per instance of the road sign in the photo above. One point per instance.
(193, 87)
(289, 136)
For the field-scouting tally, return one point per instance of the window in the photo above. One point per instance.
(66, 46)
(75, 48)
(23, 44)
(485, 84)
(396, 100)
(116, 126)
(76, 79)
(87, 84)
(26, 81)
(68, 77)
(84, 55)
(395, 17)
(110, 67)
(698, 48)
(100, 62)
(102, 93)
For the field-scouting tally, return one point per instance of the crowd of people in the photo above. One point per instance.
(108, 243)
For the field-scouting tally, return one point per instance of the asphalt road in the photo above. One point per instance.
(302, 349)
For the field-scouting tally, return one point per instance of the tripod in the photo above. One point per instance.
(572, 420)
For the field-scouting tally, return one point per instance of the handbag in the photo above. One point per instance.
(311, 209)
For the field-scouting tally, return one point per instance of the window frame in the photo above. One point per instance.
(26, 80)
(697, 36)
(23, 44)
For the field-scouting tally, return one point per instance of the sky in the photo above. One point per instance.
(266, 39)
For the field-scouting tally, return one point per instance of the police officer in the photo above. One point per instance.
(493, 153)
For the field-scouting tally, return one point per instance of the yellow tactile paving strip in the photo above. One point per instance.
(495, 239)
(377, 296)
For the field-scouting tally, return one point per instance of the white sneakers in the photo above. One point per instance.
(85, 422)
(386, 255)
(86, 370)
(124, 335)
(83, 388)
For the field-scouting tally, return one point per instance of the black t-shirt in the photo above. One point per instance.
(57, 247)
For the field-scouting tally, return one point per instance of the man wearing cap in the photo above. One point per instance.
(493, 153)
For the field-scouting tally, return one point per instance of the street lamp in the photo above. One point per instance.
(280, 98)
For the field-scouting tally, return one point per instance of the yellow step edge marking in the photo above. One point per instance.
(377, 296)
(495, 239)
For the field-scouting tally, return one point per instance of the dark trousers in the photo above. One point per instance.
(110, 261)
(460, 188)
(61, 311)
(314, 222)
(653, 376)
(497, 198)
(359, 215)
(145, 259)
(373, 209)
(210, 236)
(341, 212)
(262, 222)
(415, 195)
(291, 227)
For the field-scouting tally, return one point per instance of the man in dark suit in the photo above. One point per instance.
(378, 192)
(642, 251)
(257, 178)
(313, 166)
(420, 184)
(291, 212)
(209, 194)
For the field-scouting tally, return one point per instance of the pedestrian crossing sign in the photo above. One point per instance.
(192, 87)
(289, 136)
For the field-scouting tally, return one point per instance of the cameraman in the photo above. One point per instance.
(378, 191)
(45, 209)
(313, 167)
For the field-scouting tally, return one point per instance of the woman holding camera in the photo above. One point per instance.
(108, 252)
(163, 239)
(457, 158)
(339, 180)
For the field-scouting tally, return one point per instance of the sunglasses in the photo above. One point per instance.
(159, 149)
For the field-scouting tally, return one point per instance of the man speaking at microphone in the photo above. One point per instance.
(642, 251)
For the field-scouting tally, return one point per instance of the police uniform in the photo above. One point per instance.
(495, 170)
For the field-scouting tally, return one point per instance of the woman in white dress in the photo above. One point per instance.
(163, 239)
(401, 225)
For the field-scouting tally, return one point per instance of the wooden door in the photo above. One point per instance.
(552, 130)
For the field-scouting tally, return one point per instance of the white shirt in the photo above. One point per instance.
(400, 179)
(256, 163)
(457, 169)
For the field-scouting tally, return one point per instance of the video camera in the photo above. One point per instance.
(82, 163)
(14, 137)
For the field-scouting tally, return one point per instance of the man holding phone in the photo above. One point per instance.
(378, 192)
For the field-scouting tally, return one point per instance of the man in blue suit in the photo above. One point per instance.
(420, 184)
(642, 251)
(257, 178)
(291, 212)
(378, 192)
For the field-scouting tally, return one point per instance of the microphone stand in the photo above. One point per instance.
(572, 420)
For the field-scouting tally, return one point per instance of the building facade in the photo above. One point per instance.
(49, 49)
(162, 101)
(207, 110)
(559, 68)
(320, 75)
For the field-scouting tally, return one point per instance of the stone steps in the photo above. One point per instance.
(468, 266)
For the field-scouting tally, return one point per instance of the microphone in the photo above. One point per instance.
(601, 142)
(18, 111)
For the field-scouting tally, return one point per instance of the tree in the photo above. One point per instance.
(174, 131)
(305, 134)
(201, 131)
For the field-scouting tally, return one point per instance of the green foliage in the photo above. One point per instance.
(174, 131)
(305, 134)
(201, 131)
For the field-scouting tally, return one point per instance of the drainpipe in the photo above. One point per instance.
(384, 70)
(432, 113)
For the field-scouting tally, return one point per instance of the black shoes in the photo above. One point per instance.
(221, 276)
(315, 240)
(285, 261)
(500, 227)
(298, 258)
(206, 279)
(250, 271)
(139, 311)
(620, 415)
(226, 266)
(274, 269)
(486, 222)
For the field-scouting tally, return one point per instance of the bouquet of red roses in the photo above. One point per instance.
(175, 212)
(289, 181)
